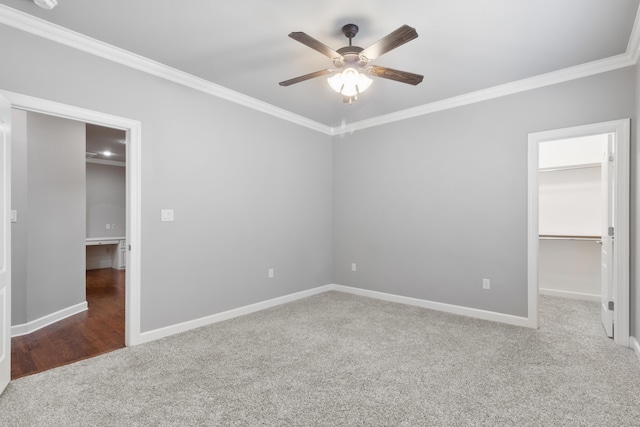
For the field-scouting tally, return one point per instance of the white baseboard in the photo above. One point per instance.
(633, 343)
(230, 314)
(573, 295)
(241, 311)
(34, 325)
(438, 306)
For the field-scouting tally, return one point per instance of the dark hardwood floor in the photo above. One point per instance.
(90, 333)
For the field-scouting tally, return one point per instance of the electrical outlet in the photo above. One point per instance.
(271, 273)
(166, 215)
(486, 284)
(353, 266)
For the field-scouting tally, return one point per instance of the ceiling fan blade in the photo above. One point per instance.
(391, 41)
(307, 40)
(306, 77)
(397, 75)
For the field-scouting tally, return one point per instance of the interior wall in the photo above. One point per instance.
(430, 206)
(106, 204)
(249, 191)
(427, 206)
(19, 203)
(48, 182)
(106, 200)
(570, 202)
(570, 268)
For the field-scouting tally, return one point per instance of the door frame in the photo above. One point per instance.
(133, 183)
(621, 129)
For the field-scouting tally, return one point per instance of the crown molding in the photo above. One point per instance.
(39, 27)
(633, 47)
(31, 24)
(539, 81)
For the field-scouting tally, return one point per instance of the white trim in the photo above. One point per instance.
(30, 24)
(633, 46)
(536, 82)
(107, 162)
(621, 128)
(633, 343)
(572, 295)
(230, 314)
(133, 279)
(438, 306)
(134, 200)
(263, 305)
(34, 325)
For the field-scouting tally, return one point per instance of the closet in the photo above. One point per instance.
(570, 217)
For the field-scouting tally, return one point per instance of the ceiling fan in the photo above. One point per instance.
(352, 63)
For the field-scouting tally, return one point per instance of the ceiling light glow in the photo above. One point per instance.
(46, 4)
(107, 153)
(349, 82)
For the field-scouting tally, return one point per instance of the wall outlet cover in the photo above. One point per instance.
(166, 215)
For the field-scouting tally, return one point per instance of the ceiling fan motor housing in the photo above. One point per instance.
(350, 56)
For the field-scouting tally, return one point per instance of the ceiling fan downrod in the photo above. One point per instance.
(350, 31)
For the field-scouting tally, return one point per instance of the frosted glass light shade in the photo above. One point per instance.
(349, 82)
(46, 4)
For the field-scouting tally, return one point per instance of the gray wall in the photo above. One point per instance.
(430, 206)
(19, 229)
(106, 200)
(412, 201)
(250, 191)
(48, 183)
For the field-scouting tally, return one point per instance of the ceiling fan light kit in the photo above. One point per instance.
(350, 83)
(46, 4)
(352, 63)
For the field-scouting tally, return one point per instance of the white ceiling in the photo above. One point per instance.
(463, 45)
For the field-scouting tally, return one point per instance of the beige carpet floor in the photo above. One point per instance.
(341, 360)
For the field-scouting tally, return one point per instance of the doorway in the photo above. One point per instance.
(132, 128)
(69, 280)
(615, 290)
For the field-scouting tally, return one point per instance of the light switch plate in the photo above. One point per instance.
(166, 214)
(14, 216)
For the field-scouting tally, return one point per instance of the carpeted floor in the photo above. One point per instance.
(341, 360)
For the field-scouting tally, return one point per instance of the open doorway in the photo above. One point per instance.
(570, 219)
(579, 199)
(68, 180)
(132, 128)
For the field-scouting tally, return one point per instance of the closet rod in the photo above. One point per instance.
(570, 167)
(560, 237)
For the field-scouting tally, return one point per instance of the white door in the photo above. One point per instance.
(608, 231)
(5, 244)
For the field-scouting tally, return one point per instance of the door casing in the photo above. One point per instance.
(621, 130)
(133, 129)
